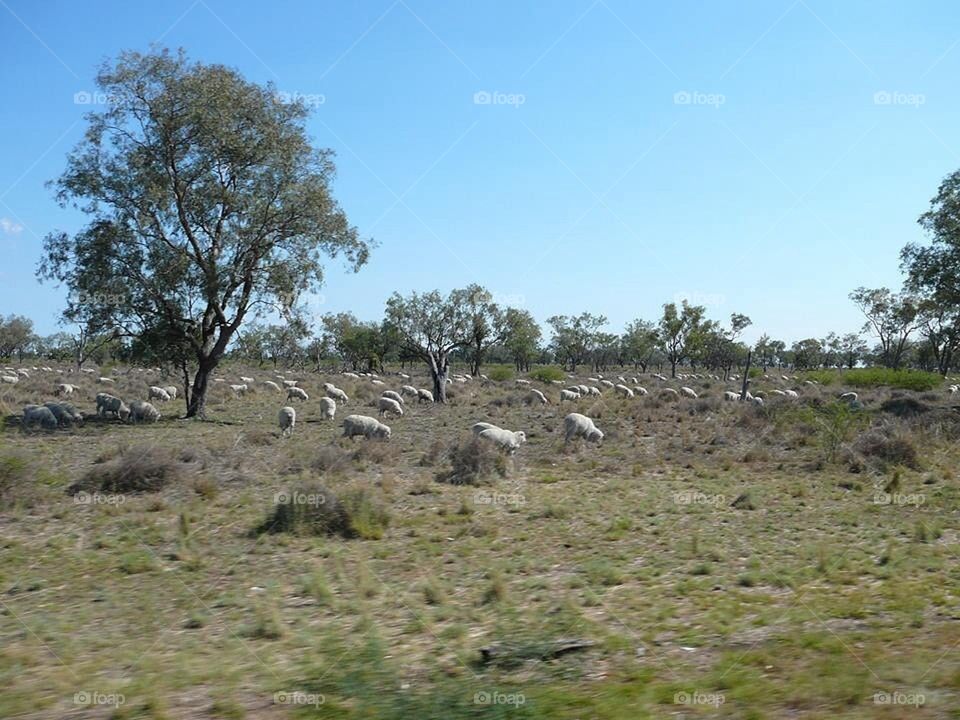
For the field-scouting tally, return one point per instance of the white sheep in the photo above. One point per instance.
(758, 401)
(9, 379)
(295, 392)
(593, 390)
(65, 389)
(624, 390)
(287, 418)
(272, 385)
(364, 425)
(393, 395)
(289, 383)
(669, 392)
(538, 396)
(328, 408)
(408, 390)
(106, 381)
(378, 382)
(640, 390)
(388, 405)
(569, 395)
(730, 396)
(689, 392)
(158, 393)
(608, 384)
(335, 393)
(65, 413)
(245, 379)
(521, 381)
(584, 389)
(141, 411)
(792, 394)
(424, 396)
(171, 391)
(38, 415)
(504, 439)
(479, 427)
(239, 390)
(108, 403)
(576, 425)
(850, 396)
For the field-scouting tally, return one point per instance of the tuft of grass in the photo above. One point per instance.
(472, 462)
(312, 509)
(139, 468)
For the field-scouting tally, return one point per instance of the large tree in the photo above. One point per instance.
(487, 326)
(16, 333)
(892, 317)
(638, 343)
(432, 327)
(681, 331)
(208, 204)
(575, 337)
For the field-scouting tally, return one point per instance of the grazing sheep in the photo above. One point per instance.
(584, 389)
(65, 389)
(569, 395)
(351, 375)
(108, 403)
(239, 390)
(730, 396)
(607, 384)
(158, 393)
(538, 396)
(408, 390)
(688, 392)
(479, 427)
(521, 381)
(576, 425)
(624, 390)
(757, 401)
(23, 373)
(295, 392)
(141, 411)
(39, 415)
(336, 393)
(272, 385)
(504, 439)
(393, 395)
(287, 418)
(388, 405)
(593, 390)
(639, 389)
(328, 408)
(792, 394)
(65, 413)
(171, 391)
(289, 383)
(367, 426)
(778, 392)
(9, 379)
(245, 379)
(669, 392)
(850, 397)
(424, 396)
(106, 381)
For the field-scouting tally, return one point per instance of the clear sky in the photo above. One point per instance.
(763, 157)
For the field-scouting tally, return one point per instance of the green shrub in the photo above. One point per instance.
(547, 373)
(500, 372)
(311, 509)
(472, 462)
(141, 468)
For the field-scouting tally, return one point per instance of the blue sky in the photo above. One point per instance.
(760, 157)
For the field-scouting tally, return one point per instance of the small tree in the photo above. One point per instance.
(639, 343)
(891, 317)
(208, 204)
(522, 338)
(433, 327)
(16, 333)
(680, 331)
(487, 324)
(575, 337)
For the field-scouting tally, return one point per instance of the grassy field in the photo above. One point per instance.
(797, 560)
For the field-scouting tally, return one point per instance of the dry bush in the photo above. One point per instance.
(311, 509)
(140, 468)
(904, 407)
(376, 452)
(888, 447)
(331, 459)
(473, 461)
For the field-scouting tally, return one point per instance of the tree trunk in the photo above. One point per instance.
(673, 368)
(198, 397)
(439, 369)
(746, 377)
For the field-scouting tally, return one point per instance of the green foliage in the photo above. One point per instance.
(547, 373)
(500, 372)
(833, 424)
